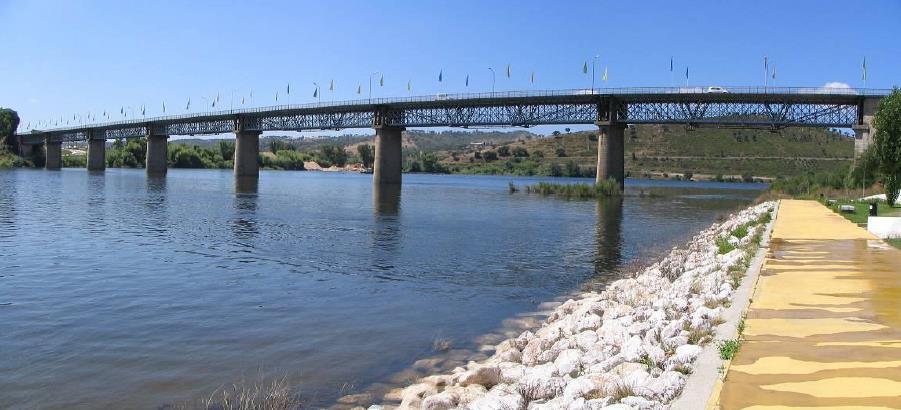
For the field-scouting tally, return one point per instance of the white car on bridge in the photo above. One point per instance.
(717, 90)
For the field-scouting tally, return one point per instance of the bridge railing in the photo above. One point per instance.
(367, 103)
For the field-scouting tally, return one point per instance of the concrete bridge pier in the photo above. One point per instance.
(157, 154)
(864, 130)
(386, 168)
(611, 152)
(247, 152)
(53, 154)
(96, 154)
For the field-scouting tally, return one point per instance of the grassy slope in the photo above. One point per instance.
(673, 149)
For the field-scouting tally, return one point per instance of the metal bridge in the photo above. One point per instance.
(609, 108)
(772, 107)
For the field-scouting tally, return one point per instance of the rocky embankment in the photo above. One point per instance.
(631, 346)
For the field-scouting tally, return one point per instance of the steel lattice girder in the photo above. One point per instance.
(739, 109)
(325, 120)
(517, 115)
(742, 114)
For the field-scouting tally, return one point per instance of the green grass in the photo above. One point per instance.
(723, 245)
(894, 242)
(740, 232)
(862, 210)
(604, 189)
(728, 348)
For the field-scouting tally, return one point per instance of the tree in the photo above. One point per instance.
(367, 156)
(888, 143)
(9, 122)
(520, 152)
(503, 151)
(227, 150)
(279, 145)
(334, 154)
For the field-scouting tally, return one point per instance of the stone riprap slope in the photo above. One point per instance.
(631, 346)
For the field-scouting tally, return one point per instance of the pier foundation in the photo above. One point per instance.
(157, 154)
(96, 154)
(53, 154)
(864, 131)
(388, 161)
(247, 152)
(611, 153)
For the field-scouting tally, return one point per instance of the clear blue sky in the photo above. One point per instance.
(67, 57)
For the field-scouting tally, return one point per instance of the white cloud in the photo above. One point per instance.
(836, 84)
(33, 100)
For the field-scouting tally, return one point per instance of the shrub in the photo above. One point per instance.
(740, 231)
(604, 189)
(723, 245)
(728, 348)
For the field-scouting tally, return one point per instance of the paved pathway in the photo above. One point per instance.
(824, 327)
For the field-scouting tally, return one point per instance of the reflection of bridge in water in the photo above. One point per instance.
(610, 109)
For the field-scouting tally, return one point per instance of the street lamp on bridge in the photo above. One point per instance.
(370, 83)
(492, 79)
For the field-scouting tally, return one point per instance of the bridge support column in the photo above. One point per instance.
(611, 153)
(864, 131)
(96, 154)
(386, 168)
(53, 154)
(157, 154)
(247, 152)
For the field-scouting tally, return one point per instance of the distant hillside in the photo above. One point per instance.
(651, 150)
(416, 140)
(659, 149)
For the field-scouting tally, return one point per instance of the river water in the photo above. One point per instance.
(119, 291)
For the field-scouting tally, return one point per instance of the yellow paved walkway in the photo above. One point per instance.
(824, 327)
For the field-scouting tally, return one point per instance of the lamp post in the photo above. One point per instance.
(492, 79)
(370, 84)
(593, 64)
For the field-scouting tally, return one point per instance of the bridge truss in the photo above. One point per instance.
(776, 108)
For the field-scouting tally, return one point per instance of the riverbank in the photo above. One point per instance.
(634, 344)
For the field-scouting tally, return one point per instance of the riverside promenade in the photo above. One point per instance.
(824, 326)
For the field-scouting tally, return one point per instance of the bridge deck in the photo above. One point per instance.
(740, 106)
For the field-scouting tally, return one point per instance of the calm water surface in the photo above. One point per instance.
(119, 291)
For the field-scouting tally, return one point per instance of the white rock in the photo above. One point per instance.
(541, 388)
(412, 396)
(631, 350)
(663, 388)
(568, 361)
(687, 353)
(441, 401)
(587, 322)
(640, 403)
(486, 375)
(618, 406)
(506, 351)
(586, 340)
(501, 396)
